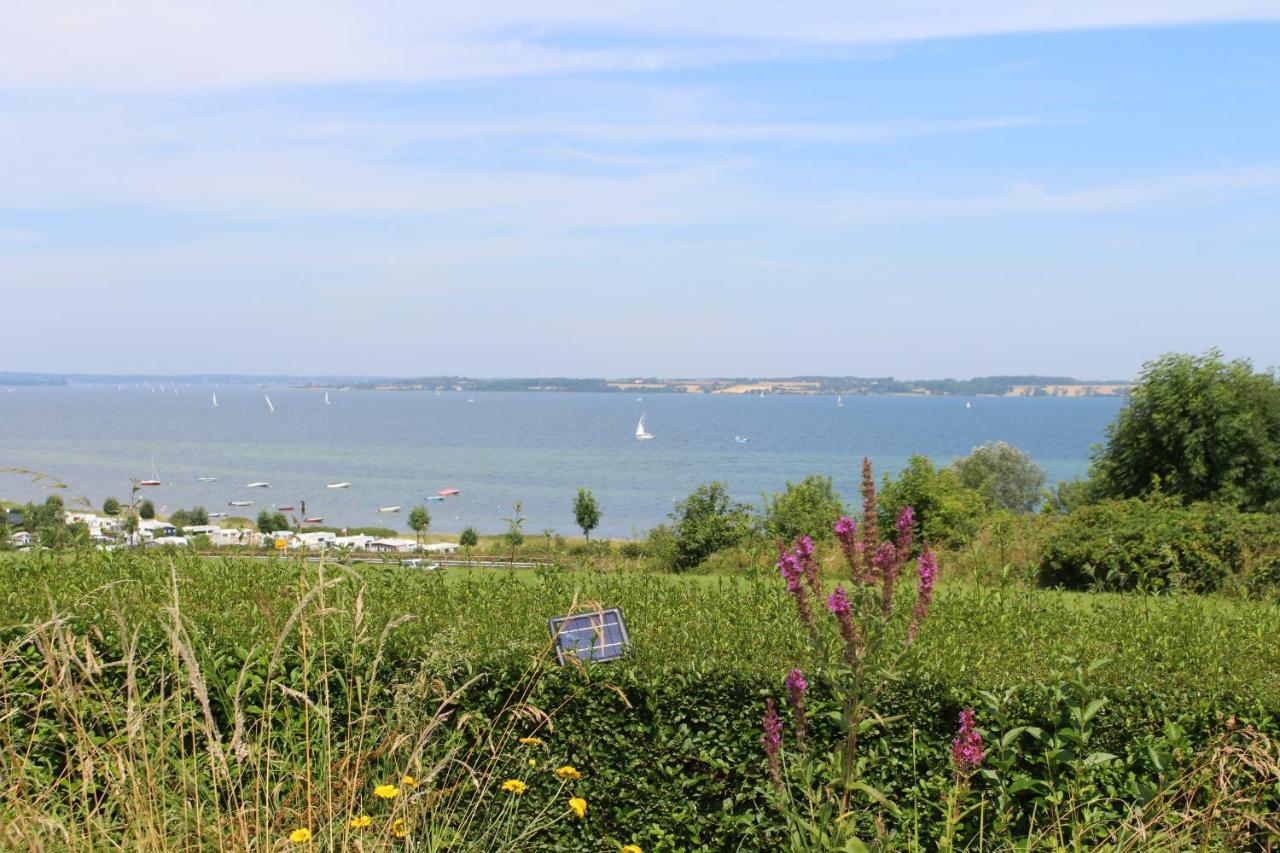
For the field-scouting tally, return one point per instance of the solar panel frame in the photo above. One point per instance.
(598, 623)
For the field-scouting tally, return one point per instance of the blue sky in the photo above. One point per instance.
(612, 188)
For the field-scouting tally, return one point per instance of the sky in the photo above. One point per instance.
(919, 189)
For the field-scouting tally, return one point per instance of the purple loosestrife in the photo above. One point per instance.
(796, 686)
(870, 522)
(804, 556)
(966, 747)
(838, 604)
(906, 521)
(789, 566)
(928, 564)
(886, 562)
(771, 739)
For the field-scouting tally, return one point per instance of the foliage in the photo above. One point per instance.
(419, 520)
(1067, 496)
(111, 506)
(196, 516)
(1198, 428)
(1155, 545)
(270, 522)
(586, 512)
(705, 522)
(514, 537)
(469, 538)
(147, 509)
(809, 507)
(947, 514)
(1002, 474)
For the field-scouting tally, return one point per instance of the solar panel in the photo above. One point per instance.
(596, 636)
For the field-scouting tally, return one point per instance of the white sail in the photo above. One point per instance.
(326, 398)
(641, 432)
(839, 402)
(215, 401)
(270, 408)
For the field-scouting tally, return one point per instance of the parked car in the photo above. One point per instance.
(420, 564)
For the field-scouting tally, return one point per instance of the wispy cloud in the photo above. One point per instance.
(157, 45)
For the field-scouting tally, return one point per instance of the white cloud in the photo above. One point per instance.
(160, 45)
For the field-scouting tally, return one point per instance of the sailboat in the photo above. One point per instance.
(155, 478)
(839, 402)
(968, 405)
(389, 509)
(258, 485)
(270, 407)
(207, 479)
(337, 485)
(215, 400)
(641, 433)
(326, 398)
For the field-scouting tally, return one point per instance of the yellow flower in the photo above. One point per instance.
(361, 822)
(386, 792)
(568, 772)
(578, 806)
(409, 782)
(514, 786)
(631, 848)
(533, 762)
(397, 828)
(531, 741)
(300, 836)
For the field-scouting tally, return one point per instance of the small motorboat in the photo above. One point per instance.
(447, 493)
(435, 498)
(389, 508)
(207, 479)
(217, 515)
(741, 439)
(337, 485)
(315, 519)
(258, 485)
(284, 508)
(148, 482)
(239, 503)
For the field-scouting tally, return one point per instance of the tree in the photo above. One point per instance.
(180, 518)
(946, 512)
(515, 529)
(1002, 474)
(1198, 428)
(111, 506)
(269, 522)
(1067, 496)
(419, 521)
(469, 539)
(199, 516)
(586, 512)
(147, 509)
(707, 521)
(808, 508)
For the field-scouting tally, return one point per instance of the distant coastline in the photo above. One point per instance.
(980, 386)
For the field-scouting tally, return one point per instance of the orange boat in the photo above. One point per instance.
(447, 493)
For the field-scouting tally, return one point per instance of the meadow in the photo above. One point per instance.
(168, 701)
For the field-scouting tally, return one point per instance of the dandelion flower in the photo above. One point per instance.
(300, 836)
(578, 806)
(631, 848)
(386, 792)
(533, 762)
(361, 822)
(568, 772)
(532, 741)
(514, 786)
(398, 828)
(409, 782)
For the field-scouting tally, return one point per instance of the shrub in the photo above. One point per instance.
(147, 509)
(1156, 544)
(946, 512)
(809, 507)
(111, 506)
(705, 522)
(1002, 474)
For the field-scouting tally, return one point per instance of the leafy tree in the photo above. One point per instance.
(111, 506)
(946, 512)
(1002, 474)
(180, 518)
(1068, 496)
(199, 516)
(705, 522)
(269, 522)
(469, 539)
(810, 507)
(147, 509)
(1198, 428)
(586, 512)
(419, 521)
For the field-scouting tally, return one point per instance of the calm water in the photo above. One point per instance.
(399, 447)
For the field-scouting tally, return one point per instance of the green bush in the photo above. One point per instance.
(810, 507)
(1002, 474)
(705, 522)
(1156, 544)
(947, 513)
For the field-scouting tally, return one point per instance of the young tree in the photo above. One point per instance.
(147, 509)
(946, 512)
(1002, 474)
(469, 539)
(1199, 428)
(198, 516)
(419, 521)
(111, 506)
(586, 512)
(515, 529)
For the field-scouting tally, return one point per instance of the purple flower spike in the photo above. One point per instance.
(838, 602)
(796, 686)
(928, 564)
(846, 526)
(771, 739)
(966, 747)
